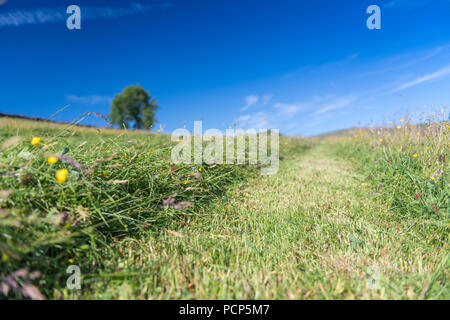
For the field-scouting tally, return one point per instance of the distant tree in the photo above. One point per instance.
(136, 105)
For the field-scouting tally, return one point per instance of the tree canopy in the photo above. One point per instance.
(133, 105)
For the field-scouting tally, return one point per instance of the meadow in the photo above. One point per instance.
(359, 215)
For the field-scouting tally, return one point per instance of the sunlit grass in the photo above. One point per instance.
(362, 214)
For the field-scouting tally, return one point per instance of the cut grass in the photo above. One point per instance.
(313, 231)
(319, 229)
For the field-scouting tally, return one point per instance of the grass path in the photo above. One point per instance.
(311, 231)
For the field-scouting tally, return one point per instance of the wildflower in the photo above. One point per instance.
(399, 127)
(401, 121)
(36, 141)
(132, 147)
(415, 155)
(71, 260)
(52, 160)
(433, 178)
(158, 131)
(406, 133)
(186, 182)
(199, 169)
(61, 175)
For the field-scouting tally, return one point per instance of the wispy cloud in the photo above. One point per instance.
(338, 104)
(257, 120)
(405, 61)
(252, 100)
(91, 99)
(428, 77)
(267, 98)
(288, 110)
(48, 15)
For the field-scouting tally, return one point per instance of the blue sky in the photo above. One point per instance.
(305, 67)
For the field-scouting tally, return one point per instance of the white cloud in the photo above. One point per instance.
(250, 101)
(435, 75)
(288, 109)
(404, 61)
(341, 103)
(257, 120)
(89, 99)
(266, 98)
(47, 15)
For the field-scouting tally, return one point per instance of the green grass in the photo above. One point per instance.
(336, 222)
(46, 226)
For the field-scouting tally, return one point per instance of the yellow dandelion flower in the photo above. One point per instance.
(158, 131)
(132, 147)
(406, 133)
(52, 160)
(401, 121)
(199, 169)
(399, 127)
(71, 260)
(415, 155)
(36, 141)
(186, 182)
(61, 175)
(433, 178)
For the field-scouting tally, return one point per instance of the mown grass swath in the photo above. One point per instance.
(142, 227)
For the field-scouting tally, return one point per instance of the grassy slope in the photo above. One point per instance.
(46, 226)
(312, 231)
